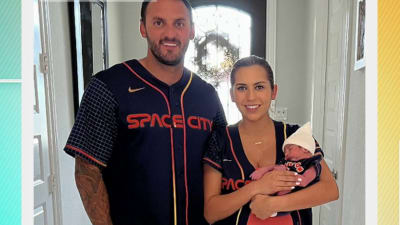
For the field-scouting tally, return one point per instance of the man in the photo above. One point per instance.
(142, 127)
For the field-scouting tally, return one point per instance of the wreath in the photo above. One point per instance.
(211, 73)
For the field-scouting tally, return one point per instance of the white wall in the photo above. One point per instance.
(354, 169)
(71, 205)
(114, 33)
(354, 172)
(292, 59)
(124, 38)
(97, 34)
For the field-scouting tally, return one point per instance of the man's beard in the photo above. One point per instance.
(156, 51)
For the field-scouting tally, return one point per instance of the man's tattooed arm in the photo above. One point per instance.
(93, 192)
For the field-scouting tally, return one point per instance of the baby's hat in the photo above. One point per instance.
(302, 137)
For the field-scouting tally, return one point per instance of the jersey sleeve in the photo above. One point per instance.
(317, 165)
(95, 129)
(318, 148)
(213, 154)
(314, 161)
(219, 121)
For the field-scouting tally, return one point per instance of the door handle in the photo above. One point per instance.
(334, 173)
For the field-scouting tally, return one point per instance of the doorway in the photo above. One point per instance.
(45, 184)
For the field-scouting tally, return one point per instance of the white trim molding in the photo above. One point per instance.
(318, 70)
(10, 80)
(319, 57)
(271, 33)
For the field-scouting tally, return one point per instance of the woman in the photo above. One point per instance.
(256, 141)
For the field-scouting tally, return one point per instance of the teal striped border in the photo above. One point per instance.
(10, 112)
(10, 39)
(10, 157)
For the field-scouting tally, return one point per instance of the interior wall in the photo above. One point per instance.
(97, 40)
(354, 169)
(292, 59)
(114, 33)
(71, 205)
(125, 41)
(354, 173)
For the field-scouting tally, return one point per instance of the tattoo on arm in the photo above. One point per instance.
(93, 192)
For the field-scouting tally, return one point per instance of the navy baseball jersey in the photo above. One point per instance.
(225, 153)
(148, 138)
(302, 165)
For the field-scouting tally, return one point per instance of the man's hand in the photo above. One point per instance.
(261, 206)
(93, 192)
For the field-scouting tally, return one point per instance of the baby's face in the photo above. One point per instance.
(295, 152)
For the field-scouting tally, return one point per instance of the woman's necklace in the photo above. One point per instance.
(260, 140)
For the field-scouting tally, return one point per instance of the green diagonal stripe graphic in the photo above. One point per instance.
(10, 39)
(10, 157)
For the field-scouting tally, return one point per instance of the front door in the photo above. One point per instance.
(44, 175)
(334, 102)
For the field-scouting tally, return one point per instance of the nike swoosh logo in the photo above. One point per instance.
(130, 90)
(227, 160)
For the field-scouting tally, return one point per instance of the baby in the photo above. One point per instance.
(299, 151)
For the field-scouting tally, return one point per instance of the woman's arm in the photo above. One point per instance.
(325, 190)
(217, 206)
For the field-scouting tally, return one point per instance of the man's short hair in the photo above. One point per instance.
(146, 3)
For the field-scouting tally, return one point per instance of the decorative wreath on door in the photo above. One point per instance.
(211, 73)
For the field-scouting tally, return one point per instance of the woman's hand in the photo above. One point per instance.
(323, 191)
(275, 181)
(261, 206)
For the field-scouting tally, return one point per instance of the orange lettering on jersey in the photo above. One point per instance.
(142, 119)
(237, 182)
(133, 121)
(192, 125)
(230, 184)
(177, 121)
(155, 117)
(165, 124)
(209, 124)
(146, 119)
(204, 123)
(224, 182)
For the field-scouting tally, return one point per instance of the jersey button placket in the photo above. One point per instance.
(177, 109)
(172, 103)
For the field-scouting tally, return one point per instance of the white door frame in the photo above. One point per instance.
(50, 109)
(270, 38)
(271, 33)
(319, 74)
(318, 69)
